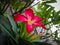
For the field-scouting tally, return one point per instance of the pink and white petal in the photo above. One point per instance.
(29, 13)
(37, 19)
(40, 24)
(19, 17)
(29, 28)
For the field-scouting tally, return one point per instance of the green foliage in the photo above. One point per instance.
(17, 5)
(51, 16)
(9, 27)
(47, 11)
(55, 18)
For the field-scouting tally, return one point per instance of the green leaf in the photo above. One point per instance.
(34, 37)
(3, 28)
(13, 24)
(4, 21)
(6, 26)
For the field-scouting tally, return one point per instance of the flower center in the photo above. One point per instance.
(30, 21)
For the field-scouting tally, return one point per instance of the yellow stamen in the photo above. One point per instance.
(30, 21)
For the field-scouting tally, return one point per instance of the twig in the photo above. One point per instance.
(6, 8)
(35, 4)
(11, 11)
(29, 4)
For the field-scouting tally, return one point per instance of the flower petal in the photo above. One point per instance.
(29, 13)
(37, 19)
(30, 28)
(40, 24)
(19, 17)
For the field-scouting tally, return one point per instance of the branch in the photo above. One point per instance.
(30, 3)
(11, 11)
(6, 8)
(3, 8)
(35, 4)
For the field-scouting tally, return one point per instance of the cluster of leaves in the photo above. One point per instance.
(50, 14)
(47, 11)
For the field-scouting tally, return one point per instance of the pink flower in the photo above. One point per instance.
(30, 20)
